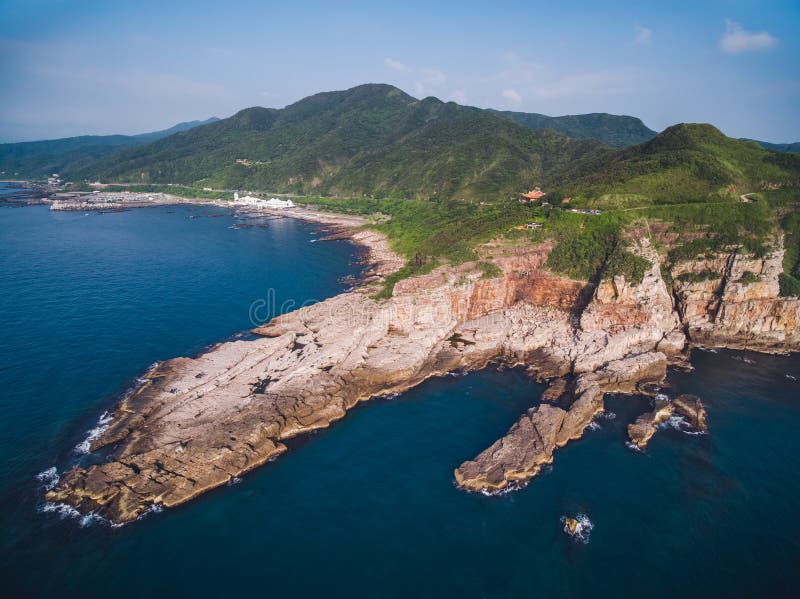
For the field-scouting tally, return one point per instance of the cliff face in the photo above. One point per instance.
(194, 424)
(736, 303)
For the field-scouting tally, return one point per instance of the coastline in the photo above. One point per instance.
(195, 424)
(380, 261)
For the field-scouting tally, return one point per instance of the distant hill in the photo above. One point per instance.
(684, 163)
(790, 147)
(36, 159)
(613, 130)
(371, 139)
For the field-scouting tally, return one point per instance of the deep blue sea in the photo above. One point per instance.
(368, 507)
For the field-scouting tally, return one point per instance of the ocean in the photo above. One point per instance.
(367, 507)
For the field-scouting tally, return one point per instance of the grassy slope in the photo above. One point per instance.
(685, 163)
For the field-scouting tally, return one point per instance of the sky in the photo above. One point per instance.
(74, 67)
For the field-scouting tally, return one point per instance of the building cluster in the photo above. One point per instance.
(255, 202)
(584, 211)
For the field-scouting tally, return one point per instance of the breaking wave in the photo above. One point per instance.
(48, 478)
(606, 415)
(64, 511)
(594, 426)
(235, 480)
(102, 424)
(633, 447)
(679, 423)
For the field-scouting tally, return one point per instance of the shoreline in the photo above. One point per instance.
(194, 424)
(380, 261)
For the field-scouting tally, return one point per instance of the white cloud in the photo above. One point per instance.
(512, 96)
(458, 96)
(737, 40)
(395, 65)
(644, 35)
(430, 80)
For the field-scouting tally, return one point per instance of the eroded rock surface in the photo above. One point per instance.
(196, 423)
(691, 408)
(736, 302)
(642, 430)
(529, 444)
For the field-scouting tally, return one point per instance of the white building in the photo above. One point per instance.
(249, 200)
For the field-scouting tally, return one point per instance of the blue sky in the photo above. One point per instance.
(75, 67)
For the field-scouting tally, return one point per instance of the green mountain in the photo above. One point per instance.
(684, 163)
(790, 147)
(613, 130)
(37, 159)
(371, 139)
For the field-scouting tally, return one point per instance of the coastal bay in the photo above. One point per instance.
(380, 480)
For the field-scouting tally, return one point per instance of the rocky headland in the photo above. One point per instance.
(196, 423)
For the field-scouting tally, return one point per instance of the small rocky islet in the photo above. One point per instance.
(195, 424)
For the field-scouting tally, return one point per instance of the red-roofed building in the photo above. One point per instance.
(534, 194)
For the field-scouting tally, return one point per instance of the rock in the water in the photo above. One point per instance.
(571, 525)
(691, 408)
(641, 431)
(529, 444)
(578, 527)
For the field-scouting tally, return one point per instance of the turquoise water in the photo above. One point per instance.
(367, 507)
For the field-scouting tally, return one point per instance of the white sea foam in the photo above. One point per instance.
(102, 424)
(791, 377)
(662, 397)
(594, 426)
(679, 423)
(582, 530)
(514, 485)
(606, 415)
(63, 511)
(633, 447)
(234, 481)
(48, 478)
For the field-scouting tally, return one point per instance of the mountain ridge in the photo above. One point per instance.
(40, 158)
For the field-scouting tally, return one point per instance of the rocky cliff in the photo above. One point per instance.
(731, 299)
(196, 423)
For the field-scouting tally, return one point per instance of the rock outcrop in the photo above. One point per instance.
(732, 300)
(692, 409)
(196, 423)
(529, 444)
(642, 430)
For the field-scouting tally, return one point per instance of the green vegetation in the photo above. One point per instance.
(612, 130)
(591, 248)
(176, 190)
(489, 270)
(790, 279)
(441, 179)
(748, 277)
(684, 164)
(790, 147)
(40, 159)
(372, 140)
(698, 277)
